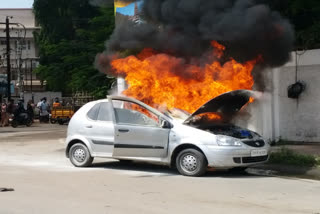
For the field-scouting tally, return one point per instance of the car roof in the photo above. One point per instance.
(123, 98)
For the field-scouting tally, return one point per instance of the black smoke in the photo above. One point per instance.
(185, 28)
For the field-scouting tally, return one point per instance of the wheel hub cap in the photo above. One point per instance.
(189, 163)
(79, 154)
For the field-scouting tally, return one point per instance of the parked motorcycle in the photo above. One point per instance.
(20, 120)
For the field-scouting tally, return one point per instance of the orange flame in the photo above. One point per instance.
(210, 116)
(162, 80)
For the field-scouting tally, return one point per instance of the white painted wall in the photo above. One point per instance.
(17, 34)
(24, 16)
(298, 119)
(39, 95)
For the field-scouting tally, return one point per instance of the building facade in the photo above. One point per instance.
(23, 52)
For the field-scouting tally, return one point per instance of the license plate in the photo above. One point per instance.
(260, 152)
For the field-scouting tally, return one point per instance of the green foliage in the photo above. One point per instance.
(305, 16)
(72, 33)
(287, 156)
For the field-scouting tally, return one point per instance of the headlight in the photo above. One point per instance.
(228, 141)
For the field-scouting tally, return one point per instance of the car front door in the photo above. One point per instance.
(138, 132)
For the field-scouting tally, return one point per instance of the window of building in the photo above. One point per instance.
(20, 45)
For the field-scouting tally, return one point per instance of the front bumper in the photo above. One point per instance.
(229, 157)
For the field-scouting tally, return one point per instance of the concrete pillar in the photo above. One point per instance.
(275, 104)
(121, 85)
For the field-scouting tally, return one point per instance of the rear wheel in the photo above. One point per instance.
(29, 123)
(53, 121)
(14, 124)
(60, 121)
(191, 162)
(80, 156)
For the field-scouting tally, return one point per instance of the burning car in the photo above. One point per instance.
(126, 129)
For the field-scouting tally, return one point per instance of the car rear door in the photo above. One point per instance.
(100, 129)
(138, 132)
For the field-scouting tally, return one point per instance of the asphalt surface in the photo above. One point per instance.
(35, 177)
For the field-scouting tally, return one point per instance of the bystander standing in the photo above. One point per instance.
(4, 114)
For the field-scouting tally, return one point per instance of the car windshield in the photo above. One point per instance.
(178, 114)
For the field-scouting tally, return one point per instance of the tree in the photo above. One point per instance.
(72, 33)
(305, 17)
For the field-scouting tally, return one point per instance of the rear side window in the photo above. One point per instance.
(93, 113)
(104, 112)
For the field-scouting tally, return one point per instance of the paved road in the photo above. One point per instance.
(32, 162)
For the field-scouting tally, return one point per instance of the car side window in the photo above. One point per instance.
(104, 112)
(93, 113)
(131, 113)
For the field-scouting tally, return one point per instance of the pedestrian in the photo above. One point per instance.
(30, 109)
(20, 109)
(44, 111)
(4, 114)
(56, 103)
(38, 109)
(11, 107)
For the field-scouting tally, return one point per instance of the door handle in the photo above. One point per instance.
(89, 126)
(123, 130)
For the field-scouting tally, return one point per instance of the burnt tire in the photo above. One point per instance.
(191, 162)
(79, 155)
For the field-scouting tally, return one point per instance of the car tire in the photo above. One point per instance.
(191, 162)
(80, 156)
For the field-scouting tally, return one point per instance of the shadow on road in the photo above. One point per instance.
(158, 170)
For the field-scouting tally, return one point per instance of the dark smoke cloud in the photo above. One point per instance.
(184, 28)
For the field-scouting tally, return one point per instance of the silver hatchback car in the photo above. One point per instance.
(126, 129)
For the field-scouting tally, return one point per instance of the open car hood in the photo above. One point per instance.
(225, 104)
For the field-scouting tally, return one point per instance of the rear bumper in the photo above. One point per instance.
(230, 157)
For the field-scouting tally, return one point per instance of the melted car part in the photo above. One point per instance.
(228, 130)
(226, 105)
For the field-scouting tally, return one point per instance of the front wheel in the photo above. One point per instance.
(191, 162)
(80, 156)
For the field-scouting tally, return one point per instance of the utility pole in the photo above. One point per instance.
(7, 23)
(8, 60)
(31, 69)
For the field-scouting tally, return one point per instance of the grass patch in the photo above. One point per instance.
(287, 156)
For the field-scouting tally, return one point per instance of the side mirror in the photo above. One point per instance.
(166, 125)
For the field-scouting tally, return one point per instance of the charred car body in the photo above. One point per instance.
(127, 129)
